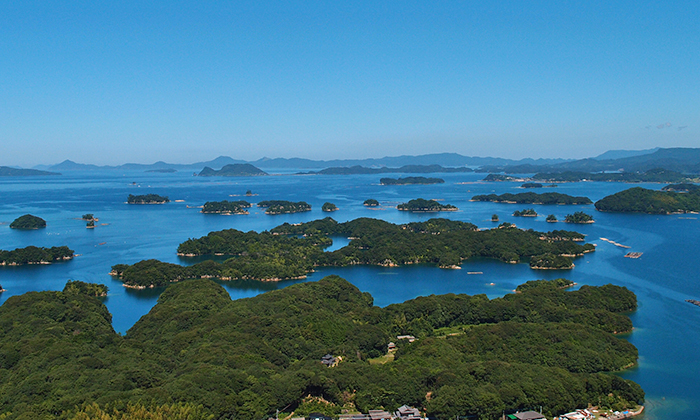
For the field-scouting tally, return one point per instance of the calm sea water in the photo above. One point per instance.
(666, 327)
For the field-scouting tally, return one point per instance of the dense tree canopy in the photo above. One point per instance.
(199, 355)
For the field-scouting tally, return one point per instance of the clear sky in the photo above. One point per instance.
(110, 82)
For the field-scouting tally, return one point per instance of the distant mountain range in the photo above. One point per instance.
(679, 159)
(685, 160)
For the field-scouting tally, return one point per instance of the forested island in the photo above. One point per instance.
(35, 255)
(28, 221)
(579, 217)
(329, 207)
(147, 199)
(411, 180)
(292, 251)
(233, 169)
(406, 169)
(525, 213)
(8, 171)
(199, 355)
(422, 205)
(642, 200)
(283, 207)
(226, 207)
(371, 202)
(533, 198)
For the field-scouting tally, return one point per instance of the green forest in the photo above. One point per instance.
(291, 251)
(533, 198)
(642, 200)
(35, 255)
(199, 355)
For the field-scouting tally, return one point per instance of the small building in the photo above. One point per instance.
(379, 415)
(407, 413)
(526, 415)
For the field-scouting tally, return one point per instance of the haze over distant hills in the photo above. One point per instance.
(677, 159)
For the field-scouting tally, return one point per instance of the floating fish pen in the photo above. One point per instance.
(693, 301)
(633, 255)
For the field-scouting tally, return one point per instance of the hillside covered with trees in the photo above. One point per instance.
(199, 355)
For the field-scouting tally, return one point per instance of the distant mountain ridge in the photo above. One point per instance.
(676, 159)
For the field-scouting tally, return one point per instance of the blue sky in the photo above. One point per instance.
(114, 82)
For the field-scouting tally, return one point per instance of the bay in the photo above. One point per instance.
(666, 327)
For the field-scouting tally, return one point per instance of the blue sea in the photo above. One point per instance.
(666, 327)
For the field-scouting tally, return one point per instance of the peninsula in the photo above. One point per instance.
(411, 180)
(8, 171)
(422, 205)
(533, 198)
(642, 200)
(292, 251)
(147, 199)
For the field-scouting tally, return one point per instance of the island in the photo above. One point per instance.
(411, 180)
(642, 200)
(28, 221)
(578, 217)
(147, 199)
(685, 187)
(422, 205)
(371, 202)
(284, 207)
(551, 219)
(226, 207)
(525, 213)
(469, 357)
(36, 255)
(329, 207)
(8, 171)
(292, 251)
(233, 169)
(533, 198)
